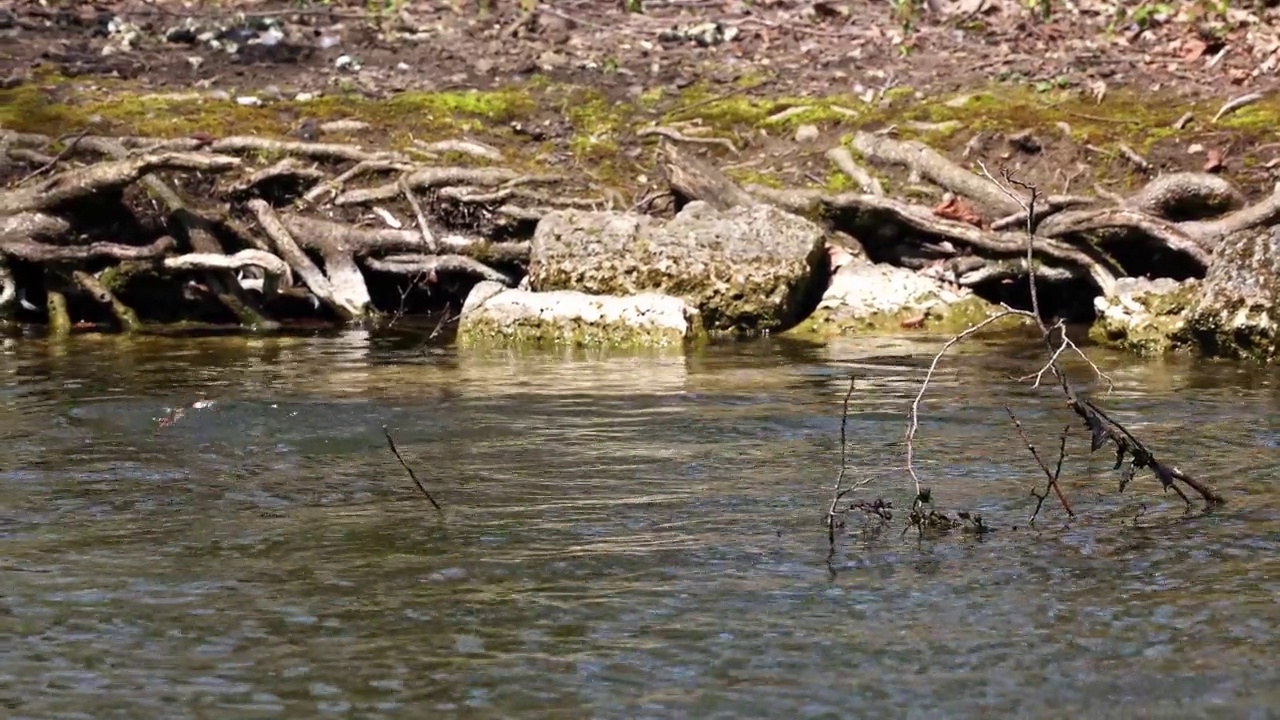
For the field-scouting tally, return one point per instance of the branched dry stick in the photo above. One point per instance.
(914, 422)
(1052, 476)
(391, 443)
(1101, 427)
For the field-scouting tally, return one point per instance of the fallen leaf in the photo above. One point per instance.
(1213, 160)
(1193, 50)
(953, 208)
(839, 256)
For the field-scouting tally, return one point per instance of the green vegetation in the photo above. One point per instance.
(595, 126)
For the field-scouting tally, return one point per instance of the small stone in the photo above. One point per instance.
(304, 97)
(1195, 149)
(195, 61)
(219, 95)
(346, 62)
(273, 92)
(806, 133)
(249, 101)
(403, 67)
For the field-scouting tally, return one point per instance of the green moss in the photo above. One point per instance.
(1158, 330)
(479, 332)
(939, 319)
(601, 123)
(747, 176)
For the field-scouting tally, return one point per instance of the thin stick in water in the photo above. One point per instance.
(413, 476)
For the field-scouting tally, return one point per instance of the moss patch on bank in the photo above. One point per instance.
(595, 129)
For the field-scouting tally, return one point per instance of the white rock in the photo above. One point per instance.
(495, 312)
(806, 133)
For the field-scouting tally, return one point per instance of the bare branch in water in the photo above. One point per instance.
(1102, 428)
(839, 491)
(413, 476)
(1052, 476)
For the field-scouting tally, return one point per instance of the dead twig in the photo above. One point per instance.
(66, 153)
(677, 136)
(391, 443)
(1052, 476)
(1235, 104)
(838, 491)
(419, 216)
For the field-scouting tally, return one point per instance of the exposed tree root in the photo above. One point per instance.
(247, 248)
(104, 177)
(430, 265)
(125, 315)
(8, 289)
(347, 305)
(929, 164)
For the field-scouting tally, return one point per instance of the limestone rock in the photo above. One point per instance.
(866, 297)
(1142, 316)
(1235, 312)
(744, 269)
(493, 312)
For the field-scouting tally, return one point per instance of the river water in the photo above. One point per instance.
(623, 536)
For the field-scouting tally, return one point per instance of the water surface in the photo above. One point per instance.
(623, 536)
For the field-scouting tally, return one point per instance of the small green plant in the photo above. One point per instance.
(907, 13)
(1146, 15)
(1044, 8)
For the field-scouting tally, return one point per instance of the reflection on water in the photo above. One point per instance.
(623, 535)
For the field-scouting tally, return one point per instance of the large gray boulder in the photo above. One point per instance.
(875, 298)
(496, 314)
(744, 269)
(1235, 312)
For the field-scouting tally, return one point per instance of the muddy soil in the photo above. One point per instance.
(817, 48)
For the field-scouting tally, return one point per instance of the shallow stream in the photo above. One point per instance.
(623, 536)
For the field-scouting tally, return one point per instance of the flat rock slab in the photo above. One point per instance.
(865, 297)
(744, 269)
(494, 312)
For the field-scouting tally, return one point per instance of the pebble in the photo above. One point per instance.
(249, 101)
(304, 97)
(221, 95)
(806, 133)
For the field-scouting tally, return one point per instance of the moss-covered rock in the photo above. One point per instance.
(1235, 312)
(494, 314)
(1144, 317)
(744, 269)
(874, 298)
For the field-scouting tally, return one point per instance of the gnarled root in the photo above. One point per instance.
(431, 265)
(103, 177)
(125, 315)
(347, 302)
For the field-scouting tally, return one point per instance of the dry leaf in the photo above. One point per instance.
(953, 208)
(1213, 161)
(1193, 50)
